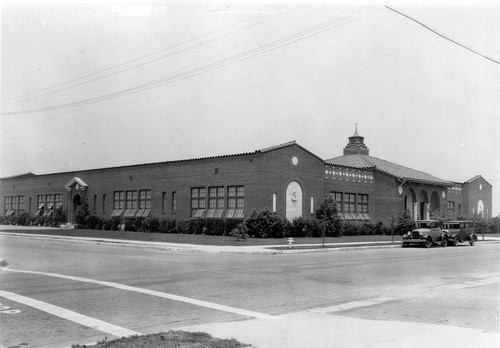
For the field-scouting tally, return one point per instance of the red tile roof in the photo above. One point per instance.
(359, 161)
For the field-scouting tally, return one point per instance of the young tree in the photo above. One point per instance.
(327, 215)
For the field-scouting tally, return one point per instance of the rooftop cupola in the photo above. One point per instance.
(356, 145)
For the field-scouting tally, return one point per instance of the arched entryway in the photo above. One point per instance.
(77, 201)
(410, 201)
(293, 200)
(435, 201)
(423, 206)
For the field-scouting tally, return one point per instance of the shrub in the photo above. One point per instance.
(296, 228)
(81, 215)
(239, 232)
(265, 224)
(23, 219)
(60, 216)
(92, 221)
(154, 225)
(404, 222)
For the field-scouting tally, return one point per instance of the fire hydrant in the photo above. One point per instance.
(290, 243)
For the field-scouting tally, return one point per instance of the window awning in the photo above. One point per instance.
(117, 213)
(239, 214)
(219, 213)
(199, 213)
(210, 213)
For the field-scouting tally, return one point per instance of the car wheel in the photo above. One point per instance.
(428, 243)
(456, 241)
(444, 243)
(472, 240)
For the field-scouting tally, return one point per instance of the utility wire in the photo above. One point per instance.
(443, 36)
(328, 25)
(13, 101)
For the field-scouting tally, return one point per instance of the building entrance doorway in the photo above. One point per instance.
(77, 201)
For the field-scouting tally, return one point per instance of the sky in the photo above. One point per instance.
(93, 85)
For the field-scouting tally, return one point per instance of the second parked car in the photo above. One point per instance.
(460, 232)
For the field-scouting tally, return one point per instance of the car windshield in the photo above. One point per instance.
(455, 226)
(424, 225)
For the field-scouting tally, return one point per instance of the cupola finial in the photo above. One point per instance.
(356, 144)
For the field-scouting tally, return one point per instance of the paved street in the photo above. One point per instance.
(56, 293)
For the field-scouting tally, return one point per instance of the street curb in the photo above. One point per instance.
(195, 248)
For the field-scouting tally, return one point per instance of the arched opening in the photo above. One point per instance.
(293, 200)
(423, 205)
(77, 201)
(435, 201)
(410, 201)
(480, 208)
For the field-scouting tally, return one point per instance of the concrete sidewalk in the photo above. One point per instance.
(254, 249)
(319, 330)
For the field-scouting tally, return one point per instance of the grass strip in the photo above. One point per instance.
(170, 339)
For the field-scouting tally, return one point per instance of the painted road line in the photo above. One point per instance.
(350, 305)
(153, 293)
(75, 317)
(473, 284)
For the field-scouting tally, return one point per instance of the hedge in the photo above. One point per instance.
(264, 224)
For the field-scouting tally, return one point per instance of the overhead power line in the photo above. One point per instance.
(36, 94)
(443, 36)
(311, 31)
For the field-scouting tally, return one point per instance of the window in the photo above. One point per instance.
(118, 203)
(235, 202)
(349, 203)
(215, 202)
(8, 205)
(362, 203)
(163, 202)
(58, 201)
(174, 201)
(21, 204)
(13, 205)
(337, 197)
(144, 203)
(130, 203)
(274, 202)
(49, 205)
(15, 202)
(103, 203)
(145, 199)
(312, 205)
(198, 201)
(40, 204)
(451, 208)
(131, 200)
(95, 203)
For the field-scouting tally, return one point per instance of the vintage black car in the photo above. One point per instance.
(460, 232)
(426, 232)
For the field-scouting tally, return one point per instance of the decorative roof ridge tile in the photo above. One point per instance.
(277, 147)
